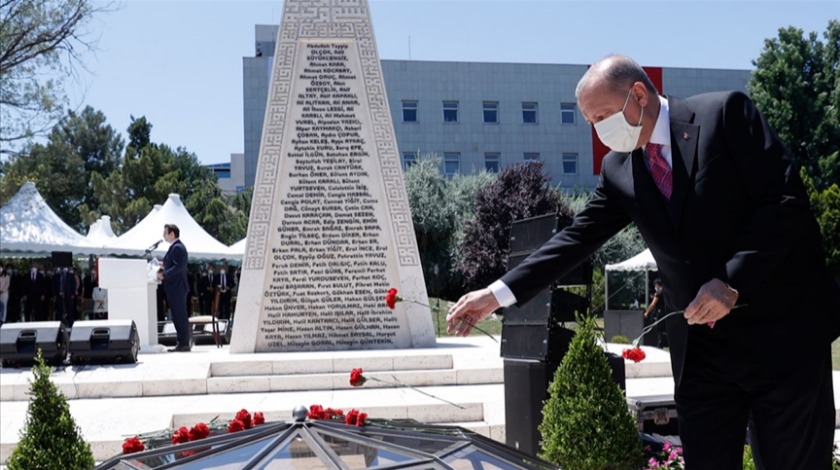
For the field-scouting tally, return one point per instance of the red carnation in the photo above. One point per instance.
(132, 445)
(316, 412)
(360, 421)
(199, 431)
(236, 426)
(188, 453)
(356, 378)
(258, 418)
(352, 417)
(180, 436)
(245, 417)
(392, 298)
(635, 354)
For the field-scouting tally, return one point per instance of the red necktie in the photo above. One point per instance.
(659, 169)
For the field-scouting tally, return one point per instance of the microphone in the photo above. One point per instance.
(154, 246)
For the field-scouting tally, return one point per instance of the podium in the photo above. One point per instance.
(131, 296)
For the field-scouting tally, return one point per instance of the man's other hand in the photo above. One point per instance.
(469, 310)
(713, 302)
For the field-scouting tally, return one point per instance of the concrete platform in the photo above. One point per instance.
(112, 402)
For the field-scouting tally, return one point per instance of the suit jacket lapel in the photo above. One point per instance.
(683, 157)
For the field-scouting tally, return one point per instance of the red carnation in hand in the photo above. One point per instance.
(391, 298)
(236, 426)
(132, 445)
(360, 420)
(199, 431)
(181, 435)
(635, 354)
(258, 418)
(245, 417)
(356, 378)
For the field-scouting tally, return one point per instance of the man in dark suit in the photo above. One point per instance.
(35, 294)
(727, 218)
(226, 282)
(177, 286)
(205, 291)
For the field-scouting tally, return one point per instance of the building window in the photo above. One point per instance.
(409, 108)
(450, 111)
(491, 112)
(532, 156)
(529, 112)
(570, 163)
(451, 163)
(567, 113)
(492, 161)
(409, 158)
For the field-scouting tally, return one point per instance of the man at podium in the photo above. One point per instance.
(177, 286)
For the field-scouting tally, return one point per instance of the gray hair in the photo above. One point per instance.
(618, 71)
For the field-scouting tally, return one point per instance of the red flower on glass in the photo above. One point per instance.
(360, 420)
(258, 418)
(635, 354)
(352, 417)
(236, 426)
(356, 378)
(199, 431)
(245, 417)
(181, 435)
(316, 412)
(391, 298)
(132, 445)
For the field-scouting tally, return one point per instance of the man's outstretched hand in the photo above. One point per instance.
(470, 309)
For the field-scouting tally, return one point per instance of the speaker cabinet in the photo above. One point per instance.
(526, 388)
(20, 342)
(104, 342)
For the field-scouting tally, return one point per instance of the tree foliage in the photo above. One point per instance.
(826, 207)
(39, 48)
(796, 86)
(586, 424)
(50, 438)
(438, 208)
(519, 192)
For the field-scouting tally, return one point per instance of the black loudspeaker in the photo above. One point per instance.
(526, 388)
(20, 342)
(62, 259)
(104, 342)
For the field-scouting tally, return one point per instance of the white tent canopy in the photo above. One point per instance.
(100, 232)
(148, 231)
(28, 225)
(641, 262)
(238, 248)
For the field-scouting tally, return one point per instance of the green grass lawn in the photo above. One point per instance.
(835, 355)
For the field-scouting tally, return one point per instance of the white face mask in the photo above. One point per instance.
(618, 134)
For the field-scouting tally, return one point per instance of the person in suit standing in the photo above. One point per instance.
(205, 291)
(723, 210)
(226, 283)
(16, 293)
(35, 293)
(176, 285)
(656, 311)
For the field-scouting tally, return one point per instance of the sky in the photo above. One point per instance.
(179, 63)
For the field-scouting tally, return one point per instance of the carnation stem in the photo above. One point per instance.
(400, 384)
(650, 327)
(464, 320)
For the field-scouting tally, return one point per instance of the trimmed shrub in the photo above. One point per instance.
(586, 423)
(50, 438)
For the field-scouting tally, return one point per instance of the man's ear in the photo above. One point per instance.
(640, 92)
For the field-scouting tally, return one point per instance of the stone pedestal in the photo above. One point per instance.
(131, 296)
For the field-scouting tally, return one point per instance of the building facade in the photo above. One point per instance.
(482, 116)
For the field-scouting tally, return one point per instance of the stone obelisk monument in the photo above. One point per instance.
(330, 229)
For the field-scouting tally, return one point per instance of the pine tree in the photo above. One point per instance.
(586, 424)
(50, 439)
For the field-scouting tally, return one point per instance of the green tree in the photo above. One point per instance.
(57, 172)
(826, 207)
(796, 85)
(519, 192)
(40, 44)
(50, 438)
(586, 424)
